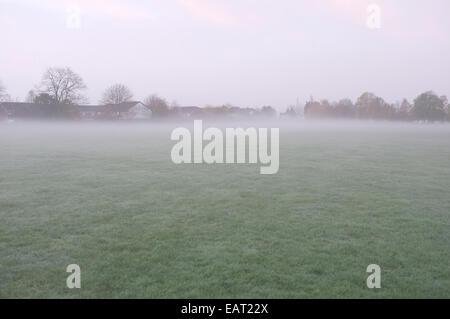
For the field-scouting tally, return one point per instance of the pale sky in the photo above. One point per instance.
(243, 52)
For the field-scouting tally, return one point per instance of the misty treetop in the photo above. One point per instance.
(116, 94)
(429, 106)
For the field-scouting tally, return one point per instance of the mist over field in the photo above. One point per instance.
(67, 129)
(108, 196)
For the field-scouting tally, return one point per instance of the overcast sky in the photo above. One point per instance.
(243, 52)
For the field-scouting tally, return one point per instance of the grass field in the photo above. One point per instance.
(110, 200)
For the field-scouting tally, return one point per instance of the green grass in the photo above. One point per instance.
(139, 226)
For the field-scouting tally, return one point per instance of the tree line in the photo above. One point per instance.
(428, 106)
(61, 88)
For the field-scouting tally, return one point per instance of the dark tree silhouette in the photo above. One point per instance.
(344, 109)
(63, 85)
(430, 107)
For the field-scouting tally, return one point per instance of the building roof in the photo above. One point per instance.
(90, 108)
(123, 107)
(241, 110)
(187, 109)
(13, 106)
(36, 110)
(19, 107)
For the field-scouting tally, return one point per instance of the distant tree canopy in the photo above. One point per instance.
(116, 94)
(324, 109)
(63, 85)
(344, 109)
(316, 109)
(428, 106)
(268, 111)
(402, 110)
(158, 105)
(290, 112)
(370, 106)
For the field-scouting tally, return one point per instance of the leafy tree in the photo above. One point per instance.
(316, 109)
(430, 107)
(268, 111)
(290, 112)
(402, 110)
(446, 107)
(370, 106)
(344, 109)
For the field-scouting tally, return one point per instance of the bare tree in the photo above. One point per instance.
(158, 105)
(2, 91)
(31, 97)
(63, 85)
(3, 96)
(116, 94)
